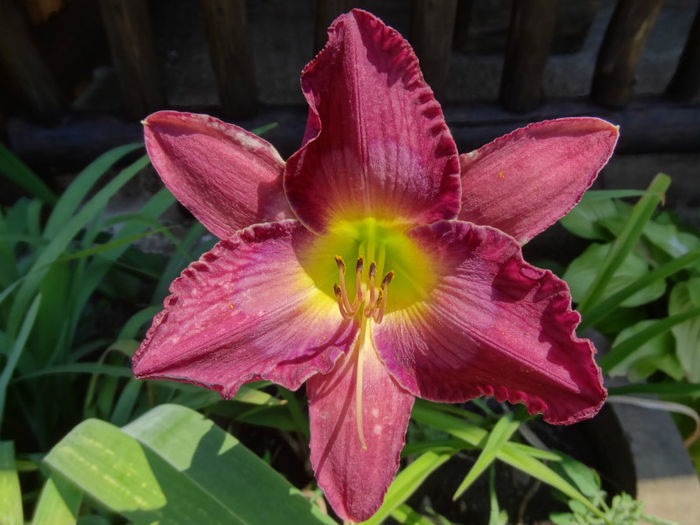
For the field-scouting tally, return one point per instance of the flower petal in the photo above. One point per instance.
(376, 142)
(246, 310)
(354, 479)
(525, 181)
(227, 177)
(492, 325)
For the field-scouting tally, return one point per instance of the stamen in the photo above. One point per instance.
(381, 302)
(372, 272)
(359, 346)
(339, 297)
(358, 283)
(341, 278)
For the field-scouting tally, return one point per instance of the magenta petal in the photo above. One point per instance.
(525, 181)
(246, 310)
(227, 177)
(354, 479)
(376, 142)
(493, 325)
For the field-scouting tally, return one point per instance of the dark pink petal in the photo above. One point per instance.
(492, 325)
(525, 181)
(227, 177)
(376, 143)
(246, 310)
(355, 479)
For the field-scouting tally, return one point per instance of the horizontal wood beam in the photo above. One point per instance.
(653, 125)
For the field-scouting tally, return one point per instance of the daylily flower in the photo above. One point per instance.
(376, 264)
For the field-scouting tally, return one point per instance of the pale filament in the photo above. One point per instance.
(375, 306)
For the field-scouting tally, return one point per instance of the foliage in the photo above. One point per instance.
(86, 441)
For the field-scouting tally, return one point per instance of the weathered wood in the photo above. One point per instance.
(128, 27)
(231, 55)
(326, 12)
(622, 46)
(30, 80)
(685, 83)
(651, 125)
(529, 38)
(463, 19)
(432, 29)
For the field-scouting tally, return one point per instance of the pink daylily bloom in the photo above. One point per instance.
(376, 264)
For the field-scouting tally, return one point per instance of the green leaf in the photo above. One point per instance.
(10, 494)
(71, 198)
(608, 305)
(509, 453)
(641, 213)
(499, 436)
(676, 388)
(63, 237)
(173, 465)
(496, 515)
(639, 364)
(126, 402)
(406, 483)
(407, 516)
(583, 270)
(16, 352)
(583, 220)
(58, 503)
(670, 240)
(19, 173)
(684, 297)
(620, 352)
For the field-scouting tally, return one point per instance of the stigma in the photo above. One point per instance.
(369, 298)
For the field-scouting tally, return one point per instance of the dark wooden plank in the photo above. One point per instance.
(653, 125)
(463, 19)
(529, 38)
(432, 29)
(622, 46)
(128, 27)
(685, 83)
(231, 55)
(326, 12)
(29, 78)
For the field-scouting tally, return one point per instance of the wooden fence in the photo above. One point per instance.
(671, 121)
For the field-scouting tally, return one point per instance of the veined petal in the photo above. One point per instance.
(227, 177)
(525, 181)
(376, 142)
(492, 325)
(246, 310)
(355, 479)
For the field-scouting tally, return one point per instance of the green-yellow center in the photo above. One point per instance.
(378, 254)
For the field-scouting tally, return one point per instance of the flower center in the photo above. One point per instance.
(374, 301)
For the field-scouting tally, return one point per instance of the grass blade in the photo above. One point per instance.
(16, 352)
(667, 389)
(621, 351)
(499, 436)
(19, 173)
(10, 495)
(58, 503)
(605, 307)
(75, 193)
(406, 483)
(641, 213)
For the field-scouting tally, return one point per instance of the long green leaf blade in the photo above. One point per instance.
(10, 494)
(607, 306)
(499, 436)
(16, 352)
(621, 351)
(406, 483)
(58, 504)
(175, 466)
(641, 213)
(19, 173)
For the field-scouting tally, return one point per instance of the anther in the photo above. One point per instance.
(341, 279)
(372, 273)
(339, 297)
(358, 282)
